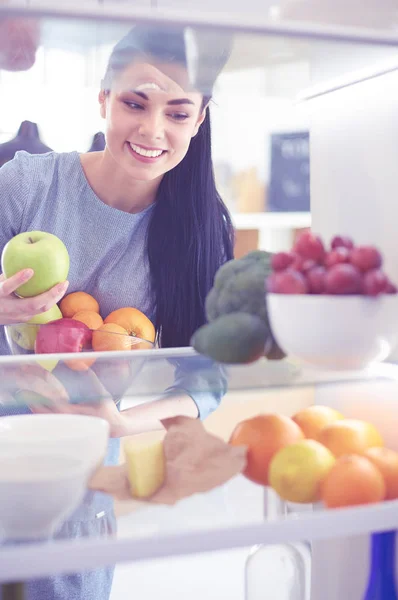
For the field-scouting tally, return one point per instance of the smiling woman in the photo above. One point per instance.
(144, 227)
(158, 152)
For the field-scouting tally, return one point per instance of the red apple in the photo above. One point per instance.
(62, 335)
(310, 246)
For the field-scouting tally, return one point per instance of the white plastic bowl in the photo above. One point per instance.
(77, 437)
(37, 493)
(335, 332)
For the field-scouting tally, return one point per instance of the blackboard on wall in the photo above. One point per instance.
(289, 189)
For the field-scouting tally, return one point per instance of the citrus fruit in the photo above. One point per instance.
(77, 301)
(353, 480)
(386, 461)
(90, 318)
(134, 322)
(263, 436)
(297, 470)
(314, 418)
(110, 337)
(349, 436)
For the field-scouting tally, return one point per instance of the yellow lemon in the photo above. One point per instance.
(297, 470)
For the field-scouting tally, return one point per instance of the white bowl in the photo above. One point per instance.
(78, 437)
(37, 493)
(335, 332)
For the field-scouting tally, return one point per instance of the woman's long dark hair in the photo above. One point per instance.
(190, 234)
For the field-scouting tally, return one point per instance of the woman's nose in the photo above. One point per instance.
(151, 126)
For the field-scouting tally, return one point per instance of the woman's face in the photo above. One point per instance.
(150, 118)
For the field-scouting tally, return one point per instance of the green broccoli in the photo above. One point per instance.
(233, 338)
(239, 288)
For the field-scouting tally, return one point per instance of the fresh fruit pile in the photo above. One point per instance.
(82, 328)
(76, 324)
(319, 455)
(342, 269)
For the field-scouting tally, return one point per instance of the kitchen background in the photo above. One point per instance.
(261, 162)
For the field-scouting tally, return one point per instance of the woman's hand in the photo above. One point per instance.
(20, 310)
(20, 383)
(33, 386)
(103, 408)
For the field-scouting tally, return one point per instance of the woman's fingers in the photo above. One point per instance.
(20, 310)
(32, 378)
(42, 302)
(8, 286)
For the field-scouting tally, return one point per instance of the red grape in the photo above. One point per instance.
(298, 262)
(340, 255)
(343, 279)
(310, 246)
(302, 264)
(286, 282)
(366, 258)
(308, 265)
(391, 288)
(342, 241)
(375, 282)
(316, 280)
(281, 261)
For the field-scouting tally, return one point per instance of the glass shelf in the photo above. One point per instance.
(232, 515)
(188, 528)
(148, 374)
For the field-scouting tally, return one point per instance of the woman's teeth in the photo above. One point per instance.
(148, 153)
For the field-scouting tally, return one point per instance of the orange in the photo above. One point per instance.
(349, 436)
(77, 301)
(110, 337)
(387, 462)
(134, 322)
(80, 364)
(90, 318)
(314, 418)
(353, 480)
(263, 436)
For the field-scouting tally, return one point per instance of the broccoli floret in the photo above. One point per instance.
(233, 338)
(239, 288)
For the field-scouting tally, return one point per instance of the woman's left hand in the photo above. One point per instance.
(104, 409)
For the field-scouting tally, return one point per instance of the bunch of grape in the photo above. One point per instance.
(344, 269)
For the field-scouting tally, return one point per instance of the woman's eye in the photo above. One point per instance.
(179, 116)
(133, 105)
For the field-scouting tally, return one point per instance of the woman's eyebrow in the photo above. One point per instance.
(174, 102)
(180, 101)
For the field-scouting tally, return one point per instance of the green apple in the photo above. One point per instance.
(48, 364)
(25, 335)
(43, 252)
(30, 398)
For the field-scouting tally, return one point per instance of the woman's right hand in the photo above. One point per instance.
(20, 310)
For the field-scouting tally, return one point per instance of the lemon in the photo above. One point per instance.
(297, 470)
